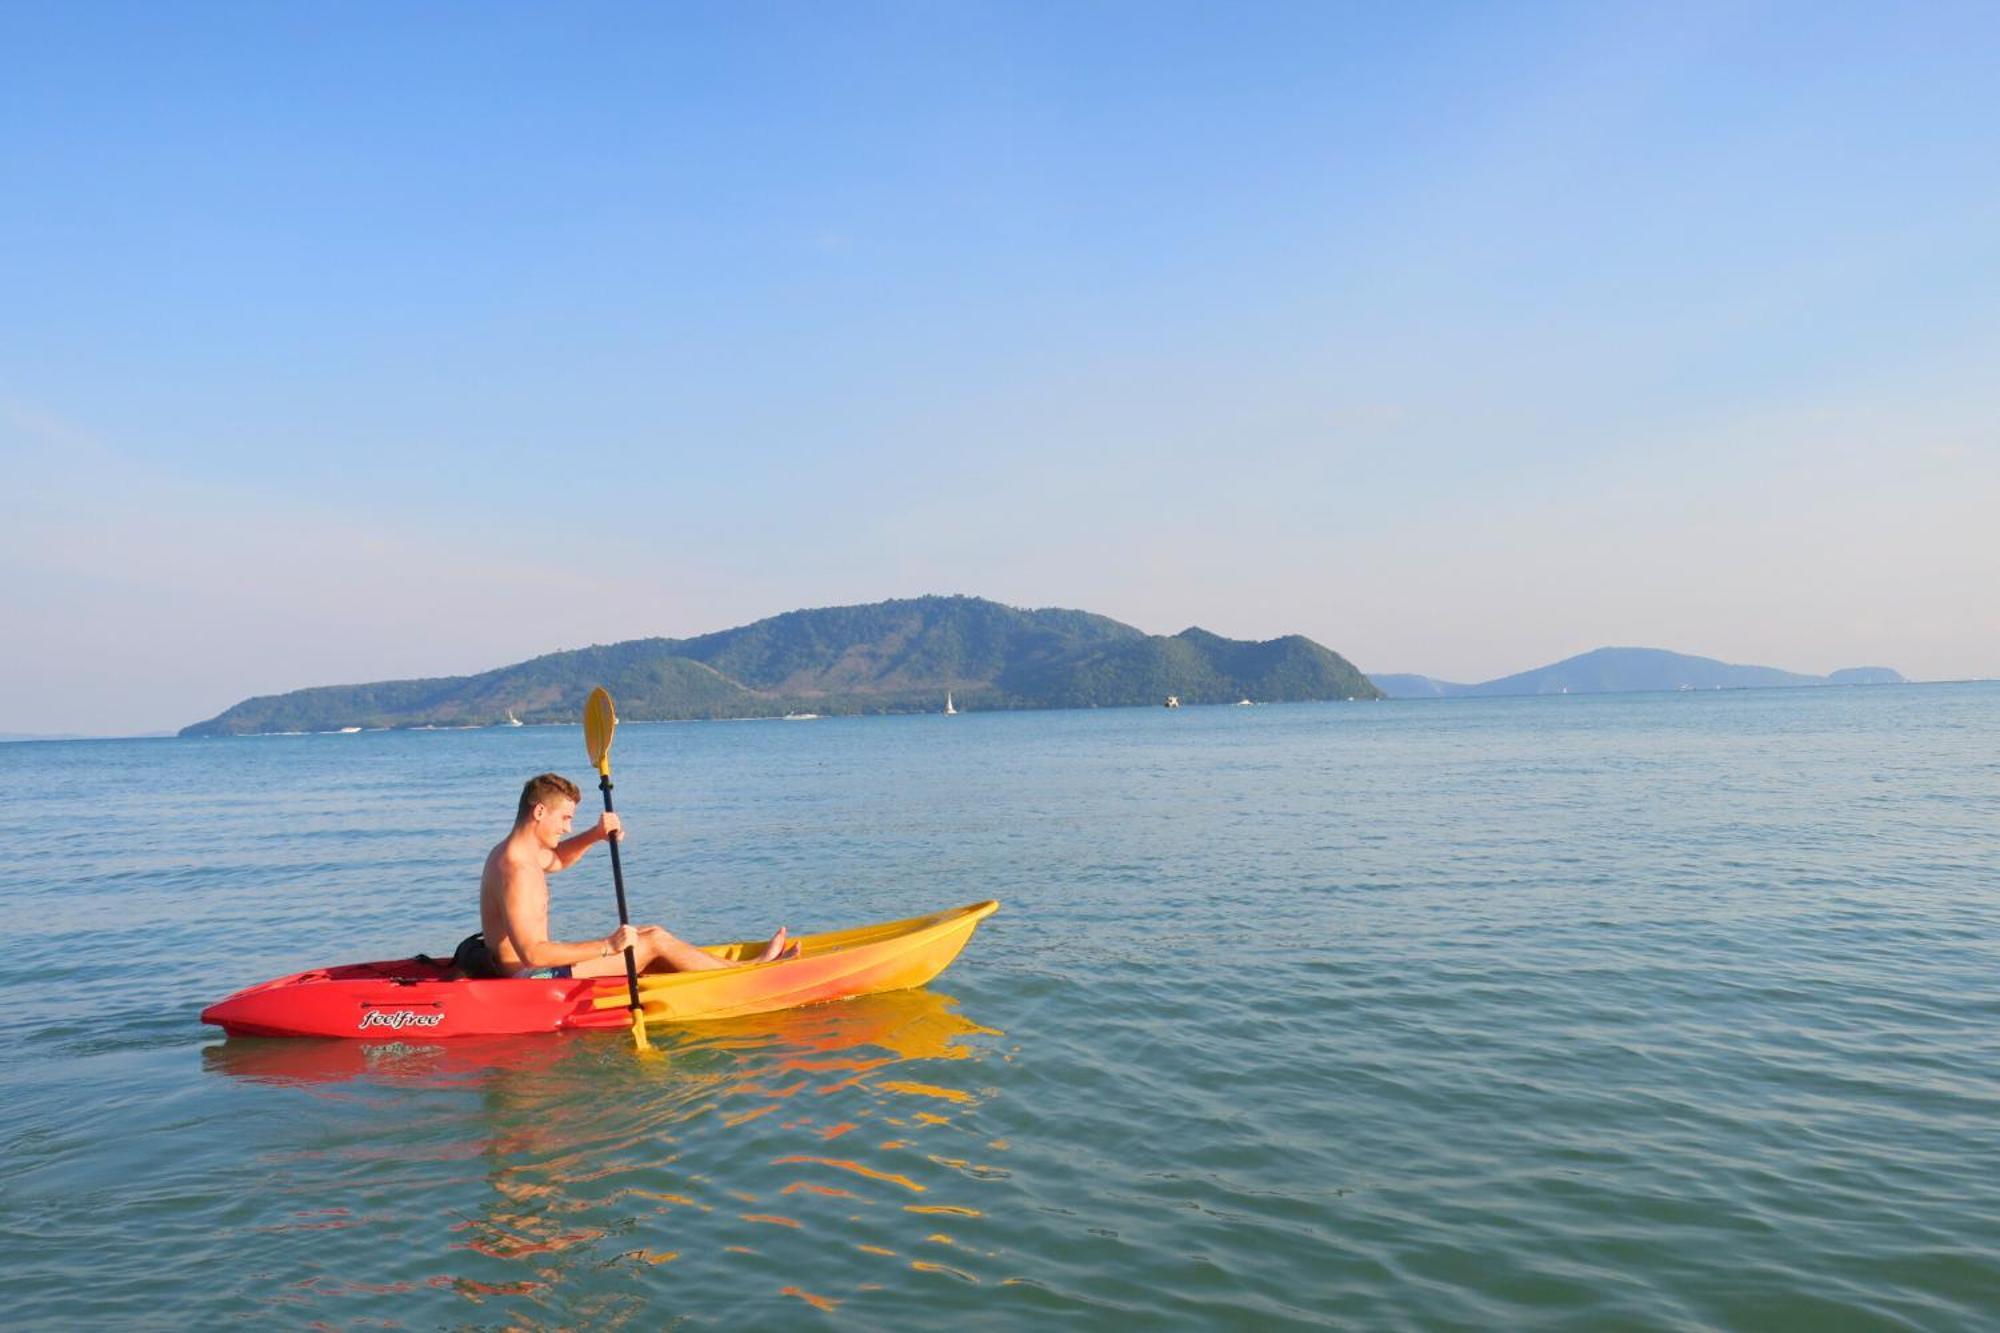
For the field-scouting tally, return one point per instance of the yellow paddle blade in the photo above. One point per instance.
(598, 724)
(639, 1042)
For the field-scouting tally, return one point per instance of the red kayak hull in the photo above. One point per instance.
(407, 998)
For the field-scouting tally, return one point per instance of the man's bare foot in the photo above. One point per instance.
(779, 949)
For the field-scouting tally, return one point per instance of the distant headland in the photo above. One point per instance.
(1627, 671)
(886, 657)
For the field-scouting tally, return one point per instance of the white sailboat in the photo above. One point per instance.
(949, 711)
(512, 721)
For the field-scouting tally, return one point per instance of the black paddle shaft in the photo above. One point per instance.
(618, 879)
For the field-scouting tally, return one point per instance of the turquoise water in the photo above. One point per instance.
(1622, 1012)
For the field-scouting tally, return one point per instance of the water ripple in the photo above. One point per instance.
(1649, 1012)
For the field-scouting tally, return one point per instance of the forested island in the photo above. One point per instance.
(885, 657)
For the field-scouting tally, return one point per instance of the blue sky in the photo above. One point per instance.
(345, 342)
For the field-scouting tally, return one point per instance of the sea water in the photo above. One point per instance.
(1667, 1011)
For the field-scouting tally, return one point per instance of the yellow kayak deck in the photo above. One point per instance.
(834, 965)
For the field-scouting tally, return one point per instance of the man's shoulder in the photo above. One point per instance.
(510, 863)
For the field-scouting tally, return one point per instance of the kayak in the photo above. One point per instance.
(423, 997)
(923, 1023)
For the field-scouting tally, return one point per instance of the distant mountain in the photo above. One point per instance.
(887, 657)
(1628, 670)
(1402, 686)
(1865, 676)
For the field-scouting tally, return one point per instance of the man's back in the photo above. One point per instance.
(514, 898)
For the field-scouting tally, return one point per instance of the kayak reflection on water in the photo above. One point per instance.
(528, 1173)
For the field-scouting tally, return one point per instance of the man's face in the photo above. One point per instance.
(552, 821)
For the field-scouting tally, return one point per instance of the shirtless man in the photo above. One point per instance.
(514, 900)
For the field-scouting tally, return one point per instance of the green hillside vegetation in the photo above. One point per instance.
(888, 657)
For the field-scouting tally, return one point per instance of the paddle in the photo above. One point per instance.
(599, 721)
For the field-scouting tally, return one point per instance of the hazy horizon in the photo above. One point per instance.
(350, 343)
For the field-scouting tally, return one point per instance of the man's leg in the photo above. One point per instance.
(661, 952)
(676, 955)
(664, 952)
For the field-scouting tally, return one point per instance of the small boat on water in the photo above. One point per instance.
(512, 721)
(1173, 701)
(426, 997)
(949, 711)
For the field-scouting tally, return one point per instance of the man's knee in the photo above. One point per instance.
(654, 943)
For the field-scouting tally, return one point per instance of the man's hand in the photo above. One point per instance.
(569, 849)
(621, 939)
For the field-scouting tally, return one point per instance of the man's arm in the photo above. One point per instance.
(569, 849)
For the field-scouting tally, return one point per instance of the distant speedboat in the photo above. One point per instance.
(800, 717)
(949, 711)
(1244, 703)
(348, 731)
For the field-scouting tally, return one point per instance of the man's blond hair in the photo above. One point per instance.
(543, 789)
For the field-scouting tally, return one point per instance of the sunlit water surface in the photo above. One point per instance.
(1647, 1012)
